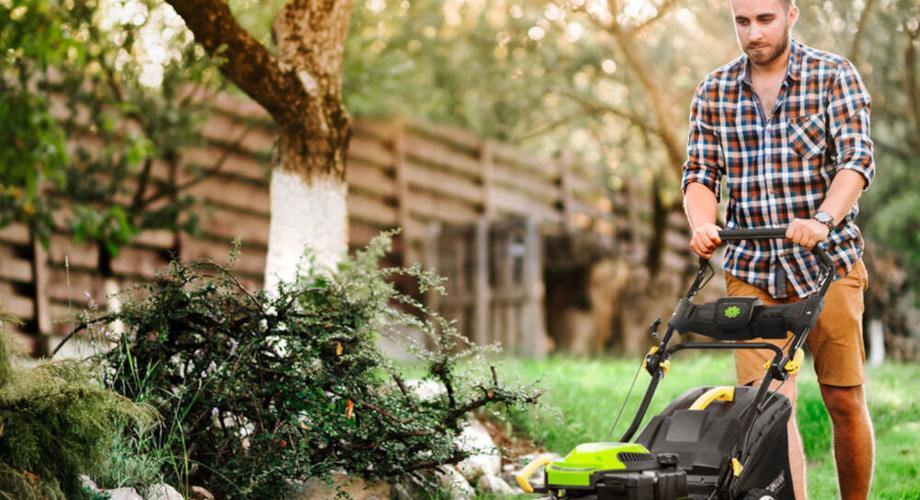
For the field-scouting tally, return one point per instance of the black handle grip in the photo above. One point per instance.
(769, 233)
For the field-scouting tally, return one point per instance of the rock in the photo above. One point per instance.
(124, 494)
(199, 493)
(452, 481)
(488, 483)
(426, 389)
(88, 483)
(484, 458)
(353, 486)
(163, 491)
(403, 491)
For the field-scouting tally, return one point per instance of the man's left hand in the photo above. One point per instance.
(806, 232)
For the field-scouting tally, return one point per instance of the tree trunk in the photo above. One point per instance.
(308, 186)
(301, 87)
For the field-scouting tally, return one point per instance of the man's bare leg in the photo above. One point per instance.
(853, 441)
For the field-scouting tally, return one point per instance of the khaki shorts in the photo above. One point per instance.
(836, 343)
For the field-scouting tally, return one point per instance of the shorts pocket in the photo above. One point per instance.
(807, 135)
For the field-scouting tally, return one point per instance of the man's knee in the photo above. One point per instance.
(844, 402)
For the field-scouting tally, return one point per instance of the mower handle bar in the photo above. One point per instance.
(769, 233)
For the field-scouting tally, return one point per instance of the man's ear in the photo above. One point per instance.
(793, 14)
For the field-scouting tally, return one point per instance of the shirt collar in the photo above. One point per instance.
(793, 69)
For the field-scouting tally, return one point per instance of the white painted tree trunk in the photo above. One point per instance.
(305, 214)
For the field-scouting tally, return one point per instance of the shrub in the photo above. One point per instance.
(260, 389)
(56, 423)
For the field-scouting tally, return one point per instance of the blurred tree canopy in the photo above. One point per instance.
(96, 104)
(610, 80)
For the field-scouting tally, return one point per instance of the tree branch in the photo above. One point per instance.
(860, 30)
(592, 106)
(246, 62)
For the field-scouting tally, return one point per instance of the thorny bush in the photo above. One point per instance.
(260, 389)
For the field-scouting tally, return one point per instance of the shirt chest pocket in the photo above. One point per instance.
(807, 135)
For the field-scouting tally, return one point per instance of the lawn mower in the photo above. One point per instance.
(724, 442)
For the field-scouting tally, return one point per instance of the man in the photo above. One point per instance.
(787, 126)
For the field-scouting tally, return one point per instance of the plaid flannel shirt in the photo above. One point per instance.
(779, 168)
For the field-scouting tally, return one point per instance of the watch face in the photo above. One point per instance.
(825, 218)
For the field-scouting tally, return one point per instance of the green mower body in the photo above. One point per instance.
(588, 459)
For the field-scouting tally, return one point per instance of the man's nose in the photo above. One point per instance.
(755, 33)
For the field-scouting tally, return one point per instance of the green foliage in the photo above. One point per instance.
(260, 389)
(56, 423)
(31, 38)
(128, 85)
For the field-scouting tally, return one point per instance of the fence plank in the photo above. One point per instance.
(226, 224)
(15, 304)
(13, 267)
(15, 233)
(520, 204)
(457, 187)
(234, 163)
(434, 153)
(433, 207)
(370, 178)
(370, 150)
(535, 187)
(371, 209)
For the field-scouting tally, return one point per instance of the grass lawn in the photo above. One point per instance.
(582, 398)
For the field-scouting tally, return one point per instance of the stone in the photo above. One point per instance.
(199, 493)
(453, 482)
(355, 487)
(484, 456)
(124, 494)
(88, 483)
(163, 491)
(488, 483)
(426, 389)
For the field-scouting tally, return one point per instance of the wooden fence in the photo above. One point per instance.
(400, 174)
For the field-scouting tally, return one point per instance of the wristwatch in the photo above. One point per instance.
(826, 219)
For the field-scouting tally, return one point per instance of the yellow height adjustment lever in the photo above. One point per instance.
(719, 393)
(529, 470)
(793, 365)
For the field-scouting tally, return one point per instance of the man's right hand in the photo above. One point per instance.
(705, 239)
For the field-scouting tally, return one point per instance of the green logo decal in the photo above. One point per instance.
(732, 311)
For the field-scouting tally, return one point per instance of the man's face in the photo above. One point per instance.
(762, 27)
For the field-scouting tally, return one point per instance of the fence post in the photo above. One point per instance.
(486, 158)
(402, 193)
(533, 325)
(482, 296)
(432, 238)
(40, 299)
(564, 165)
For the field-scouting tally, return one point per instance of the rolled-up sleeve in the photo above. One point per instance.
(848, 113)
(704, 163)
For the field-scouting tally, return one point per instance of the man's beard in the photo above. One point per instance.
(764, 58)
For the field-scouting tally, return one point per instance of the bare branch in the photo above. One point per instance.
(246, 62)
(592, 106)
(860, 30)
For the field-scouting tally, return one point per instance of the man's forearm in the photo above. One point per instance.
(700, 205)
(842, 194)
